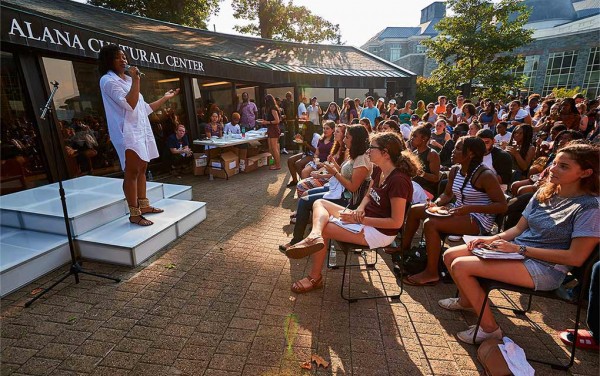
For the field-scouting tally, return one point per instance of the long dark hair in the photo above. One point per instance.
(339, 146)
(106, 57)
(477, 147)
(527, 138)
(270, 103)
(587, 157)
(330, 124)
(360, 140)
(395, 146)
(424, 130)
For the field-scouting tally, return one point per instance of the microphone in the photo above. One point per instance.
(128, 67)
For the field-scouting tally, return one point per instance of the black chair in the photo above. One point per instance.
(585, 271)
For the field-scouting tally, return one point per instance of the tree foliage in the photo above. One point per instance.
(429, 89)
(192, 13)
(275, 19)
(476, 44)
(563, 92)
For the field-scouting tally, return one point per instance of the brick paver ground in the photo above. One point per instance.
(217, 302)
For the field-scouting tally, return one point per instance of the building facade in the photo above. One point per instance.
(58, 40)
(565, 51)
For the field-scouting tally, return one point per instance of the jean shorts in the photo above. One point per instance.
(546, 276)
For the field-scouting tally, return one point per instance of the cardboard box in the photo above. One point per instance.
(225, 166)
(252, 151)
(249, 165)
(200, 161)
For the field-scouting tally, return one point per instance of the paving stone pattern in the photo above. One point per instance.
(225, 308)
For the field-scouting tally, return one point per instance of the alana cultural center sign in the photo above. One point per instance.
(28, 30)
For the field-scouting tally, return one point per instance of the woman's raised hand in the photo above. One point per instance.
(171, 93)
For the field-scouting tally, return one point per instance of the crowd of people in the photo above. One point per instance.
(521, 178)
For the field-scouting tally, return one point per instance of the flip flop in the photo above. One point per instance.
(585, 340)
(411, 282)
(305, 248)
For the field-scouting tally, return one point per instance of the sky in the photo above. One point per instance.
(357, 24)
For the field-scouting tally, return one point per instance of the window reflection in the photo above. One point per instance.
(82, 123)
(212, 96)
(22, 164)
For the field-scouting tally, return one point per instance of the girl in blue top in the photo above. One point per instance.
(559, 229)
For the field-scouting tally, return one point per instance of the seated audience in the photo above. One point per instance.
(439, 135)
(461, 129)
(558, 230)
(179, 146)
(479, 199)
(349, 176)
(521, 149)
(502, 138)
(380, 215)
(310, 141)
(568, 114)
(428, 176)
(324, 146)
(496, 159)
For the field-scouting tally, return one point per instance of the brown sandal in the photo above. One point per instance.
(305, 248)
(307, 284)
(136, 217)
(145, 207)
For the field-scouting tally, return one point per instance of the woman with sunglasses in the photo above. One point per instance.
(379, 216)
(479, 199)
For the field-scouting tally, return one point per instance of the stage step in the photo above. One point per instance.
(120, 242)
(178, 192)
(27, 255)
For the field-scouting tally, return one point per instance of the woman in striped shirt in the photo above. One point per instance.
(479, 199)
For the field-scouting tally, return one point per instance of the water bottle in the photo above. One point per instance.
(149, 176)
(332, 256)
(243, 132)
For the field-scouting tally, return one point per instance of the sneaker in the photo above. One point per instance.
(283, 151)
(467, 335)
(451, 304)
(455, 238)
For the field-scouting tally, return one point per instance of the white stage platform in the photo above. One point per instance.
(33, 235)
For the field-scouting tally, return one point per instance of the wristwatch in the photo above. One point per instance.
(522, 250)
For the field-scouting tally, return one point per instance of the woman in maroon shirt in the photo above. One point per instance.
(379, 216)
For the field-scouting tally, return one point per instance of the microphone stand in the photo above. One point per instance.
(75, 268)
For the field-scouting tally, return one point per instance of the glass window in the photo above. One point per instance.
(561, 67)
(529, 70)
(209, 94)
(23, 165)
(324, 95)
(80, 111)
(421, 49)
(591, 81)
(353, 94)
(395, 53)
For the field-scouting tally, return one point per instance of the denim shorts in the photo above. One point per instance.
(546, 276)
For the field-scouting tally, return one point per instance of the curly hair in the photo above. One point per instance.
(407, 162)
(106, 58)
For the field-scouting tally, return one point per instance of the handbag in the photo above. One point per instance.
(491, 358)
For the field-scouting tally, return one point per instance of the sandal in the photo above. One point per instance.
(283, 247)
(411, 282)
(291, 184)
(145, 207)
(293, 215)
(136, 217)
(307, 284)
(306, 247)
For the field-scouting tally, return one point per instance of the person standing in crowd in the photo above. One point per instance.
(421, 110)
(405, 113)
(457, 112)
(333, 113)
(302, 112)
(558, 230)
(344, 119)
(370, 112)
(248, 112)
(129, 127)
(359, 108)
(314, 112)
(440, 108)
(288, 120)
(430, 116)
(181, 154)
(273, 132)
(381, 106)
(352, 112)
(392, 109)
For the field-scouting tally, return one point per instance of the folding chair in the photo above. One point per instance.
(488, 285)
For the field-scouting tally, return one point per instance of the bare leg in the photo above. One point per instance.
(274, 150)
(432, 228)
(465, 271)
(291, 162)
(133, 168)
(415, 215)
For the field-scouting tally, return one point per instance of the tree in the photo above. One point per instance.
(563, 92)
(192, 13)
(476, 44)
(273, 19)
(428, 90)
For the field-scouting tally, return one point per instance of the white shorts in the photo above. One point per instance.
(376, 239)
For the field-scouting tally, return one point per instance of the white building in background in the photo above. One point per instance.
(565, 51)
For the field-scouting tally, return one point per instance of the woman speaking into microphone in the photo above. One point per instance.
(129, 127)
